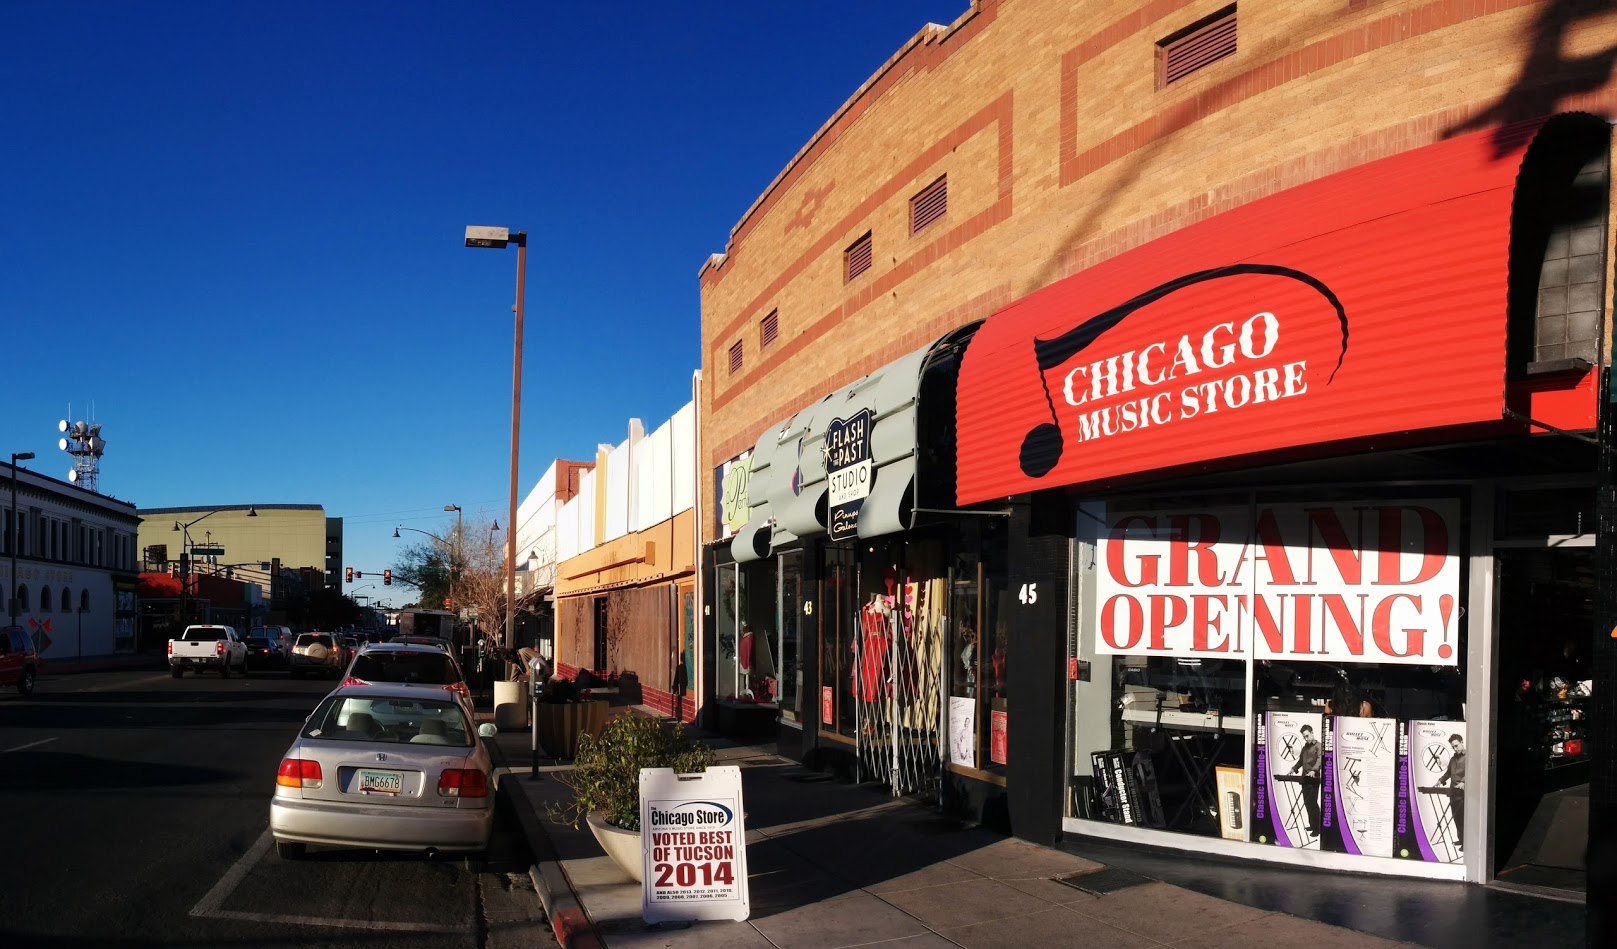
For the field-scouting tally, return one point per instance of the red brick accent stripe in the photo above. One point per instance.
(1381, 143)
(1291, 67)
(835, 237)
(924, 53)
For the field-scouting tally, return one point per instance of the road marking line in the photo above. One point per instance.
(227, 884)
(208, 906)
(32, 744)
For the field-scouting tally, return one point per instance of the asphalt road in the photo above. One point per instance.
(134, 812)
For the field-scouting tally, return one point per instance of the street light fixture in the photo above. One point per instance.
(185, 555)
(499, 237)
(16, 533)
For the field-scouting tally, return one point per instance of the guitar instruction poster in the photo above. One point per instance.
(1430, 818)
(1364, 765)
(1290, 760)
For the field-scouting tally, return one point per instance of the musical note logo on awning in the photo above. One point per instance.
(1044, 445)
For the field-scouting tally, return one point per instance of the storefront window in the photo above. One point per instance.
(726, 631)
(791, 611)
(758, 635)
(976, 654)
(1280, 669)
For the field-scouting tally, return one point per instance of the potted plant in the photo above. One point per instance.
(565, 714)
(605, 780)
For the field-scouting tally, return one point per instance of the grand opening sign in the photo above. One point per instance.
(1361, 582)
(693, 844)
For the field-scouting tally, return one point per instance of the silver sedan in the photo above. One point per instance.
(384, 767)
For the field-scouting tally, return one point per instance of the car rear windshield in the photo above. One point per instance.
(198, 633)
(414, 666)
(412, 721)
(311, 639)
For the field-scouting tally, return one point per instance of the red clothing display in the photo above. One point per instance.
(870, 655)
(746, 650)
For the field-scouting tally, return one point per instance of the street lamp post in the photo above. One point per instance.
(500, 237)
(16, 533)
(454, 563)
(185, 556)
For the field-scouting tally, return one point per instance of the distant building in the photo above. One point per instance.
(252, 541)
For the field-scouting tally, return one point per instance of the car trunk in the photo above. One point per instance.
(374, 773)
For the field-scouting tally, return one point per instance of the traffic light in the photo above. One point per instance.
(387, 578)
(449, 604)
(350, 574)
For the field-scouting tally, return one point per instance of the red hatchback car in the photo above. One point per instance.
(19, 664)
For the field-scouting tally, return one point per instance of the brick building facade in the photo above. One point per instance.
(996, 176)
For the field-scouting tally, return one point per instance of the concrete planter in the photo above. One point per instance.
(560, 724)
(623, 846)
(510, 705)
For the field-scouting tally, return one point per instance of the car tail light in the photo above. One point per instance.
(351, 680)
(1574, 746)
(219, 647)
(299, 773)
(463, 782)
(171, 647)
(459, 687)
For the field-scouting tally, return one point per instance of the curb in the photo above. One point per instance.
(568, 921)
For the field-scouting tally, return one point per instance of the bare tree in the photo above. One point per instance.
(480, 581)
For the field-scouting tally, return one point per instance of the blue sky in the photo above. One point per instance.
(235, 229)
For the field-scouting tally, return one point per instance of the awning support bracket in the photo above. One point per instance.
(1517, 416)
(934, 510)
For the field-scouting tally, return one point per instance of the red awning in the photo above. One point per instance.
(1366, 303)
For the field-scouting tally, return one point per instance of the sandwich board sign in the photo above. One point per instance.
(694, 845)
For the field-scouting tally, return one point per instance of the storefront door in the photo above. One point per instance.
(1541, 791)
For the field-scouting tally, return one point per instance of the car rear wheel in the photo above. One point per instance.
(289, 850)
(176, 671)
(25, 685)
(224, 669)
(244, 668)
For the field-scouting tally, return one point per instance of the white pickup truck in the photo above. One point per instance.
(207, 647)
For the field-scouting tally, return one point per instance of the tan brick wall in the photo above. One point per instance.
(1061, 152)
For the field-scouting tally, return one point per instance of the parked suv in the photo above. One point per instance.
(316, 653)
(19, 664)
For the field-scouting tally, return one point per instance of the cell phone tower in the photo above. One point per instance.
(85, 444)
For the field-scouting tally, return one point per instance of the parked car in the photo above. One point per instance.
(264, 653)
(207, 646)
(19, 663)
(412, 666)
(281, 637)
(384, 767)
(317, 654)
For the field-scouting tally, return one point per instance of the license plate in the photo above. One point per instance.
(384, 782)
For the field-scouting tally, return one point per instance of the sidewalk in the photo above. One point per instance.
(70, 665)
(833, 865)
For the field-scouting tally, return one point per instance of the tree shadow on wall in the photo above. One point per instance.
(1547, 75)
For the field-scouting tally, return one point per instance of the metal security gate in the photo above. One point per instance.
(898, 669)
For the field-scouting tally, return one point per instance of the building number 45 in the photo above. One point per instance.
(1029, 594)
